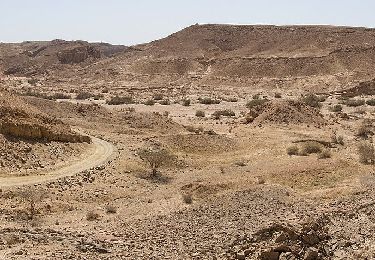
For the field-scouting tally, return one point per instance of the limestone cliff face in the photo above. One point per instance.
(21, 120)
(40, 132)
(78, 54)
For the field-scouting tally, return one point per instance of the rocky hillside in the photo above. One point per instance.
(319, 58)
(309, 58)
(40, 58)
(21, 120)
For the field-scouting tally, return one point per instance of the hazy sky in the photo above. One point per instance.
(137, 21)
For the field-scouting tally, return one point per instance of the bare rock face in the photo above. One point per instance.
(78, 54)
(21, 120)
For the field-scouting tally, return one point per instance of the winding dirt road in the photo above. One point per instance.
(98, 155)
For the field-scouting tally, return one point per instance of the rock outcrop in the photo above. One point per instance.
(21, 120)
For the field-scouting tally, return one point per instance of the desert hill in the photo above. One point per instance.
(39, 58)
(313, 58)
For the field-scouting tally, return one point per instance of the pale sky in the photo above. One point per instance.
(130, 22)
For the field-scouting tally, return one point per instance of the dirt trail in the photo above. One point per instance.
(100, 153)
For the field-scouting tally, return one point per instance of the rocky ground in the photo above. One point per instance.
(255, 165)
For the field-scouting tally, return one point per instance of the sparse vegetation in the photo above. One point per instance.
(337, 139)
(336, 108)
(186, 102)
(120, 100)
(325, 154)
(354, 102)
(255, 102)
(311, 147)
(187, 198)
(226, 112)
(200, 113)
(371, 102)
(366, 153)
(110, 209)
(193, 129)
(208, 101)
(92, 215)
(149, 102)
(158, 96)
(156, 157)
(364, 130)
(165, 102)
(84, 95)
(313, 100)
(292, 150)
(32, 197)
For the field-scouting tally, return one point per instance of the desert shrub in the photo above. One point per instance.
(370, 102)
(354, 102)
(60, 96)
(337, 139)
(156, 157)
(255, 102)
(200, 113)
(360, 111)
(325, 154)
(32, 81)
(312, 100)
(165, 102)
(240, 163)
(226, 112)
(32, 196)
(187, 198)
(120, 100)
(158, 96)
(231, 99)
(193, 129)
(336, 108)
(311, 147)
(292, 150)
(84, 95)
(149, 102)
(98, 96)
(105, 90)
(208, 101)
(166, 113)
(256, 96)
(366, 153)
(364, 130)
(92, 215)
(186, 102)
(110, 209)
(277, 95)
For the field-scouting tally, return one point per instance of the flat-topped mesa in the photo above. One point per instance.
(21, 120)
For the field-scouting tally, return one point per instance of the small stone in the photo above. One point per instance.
(270, 255)
(311, 254)
(241, 255)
